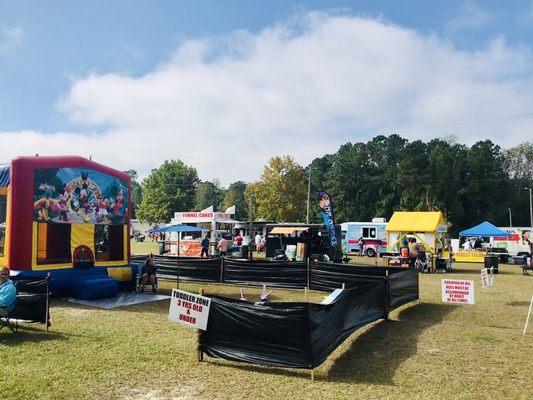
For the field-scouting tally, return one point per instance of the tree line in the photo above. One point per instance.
(469, 184)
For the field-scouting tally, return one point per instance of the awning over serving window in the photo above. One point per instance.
(288, 230)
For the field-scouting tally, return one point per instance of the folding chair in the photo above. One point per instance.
(6, 322)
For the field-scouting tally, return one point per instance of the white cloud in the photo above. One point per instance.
(10, 36)
(471, 16)
(226, 104)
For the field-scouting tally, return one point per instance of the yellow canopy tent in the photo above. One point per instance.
(424, 225)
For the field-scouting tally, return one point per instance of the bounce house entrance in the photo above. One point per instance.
(53, 243)
(109, 242)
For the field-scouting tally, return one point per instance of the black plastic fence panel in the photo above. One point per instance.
(271, 273)
(32, 299)
(276, 334)
(330, 276)
(403, 288)
(331, 325)
(283, 274)
(290, 335)
(189, 268)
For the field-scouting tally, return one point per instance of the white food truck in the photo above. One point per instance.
(373, 234)
(517, 242)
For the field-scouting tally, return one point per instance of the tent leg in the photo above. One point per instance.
(387, 305)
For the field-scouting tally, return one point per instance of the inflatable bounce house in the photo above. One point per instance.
(67, 216)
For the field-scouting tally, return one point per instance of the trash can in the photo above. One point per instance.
(492, 261)
(245, 251)
(161, 248)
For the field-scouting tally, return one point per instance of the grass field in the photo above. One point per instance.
(427, 350)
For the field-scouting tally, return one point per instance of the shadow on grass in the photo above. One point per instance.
(376, 354)
(28, 334)
(294, 373)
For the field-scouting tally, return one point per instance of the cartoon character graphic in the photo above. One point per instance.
(63, 208)
(67, 190)
(41, 208)
(100, 212)
(119, 203)
(73, 195)
(85, 206)
(45, 209)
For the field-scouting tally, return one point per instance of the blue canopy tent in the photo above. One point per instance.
(485, 229)
(178, 228)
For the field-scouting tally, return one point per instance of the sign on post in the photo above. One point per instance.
(189, 309)
(484, 278)
(457, 291)
(487, 277)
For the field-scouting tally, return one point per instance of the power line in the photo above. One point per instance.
(397, 108)
(241, 152)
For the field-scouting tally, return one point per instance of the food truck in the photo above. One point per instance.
(373, 235)
(517, 243)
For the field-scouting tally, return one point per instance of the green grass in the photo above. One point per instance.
(427, 350)
(144, 247)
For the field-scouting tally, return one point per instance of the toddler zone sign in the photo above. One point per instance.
(457, 291)
(189, 309)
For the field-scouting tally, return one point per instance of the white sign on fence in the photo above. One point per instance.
(487, 277)
(457, 291)
(484, 277)
(189, 309)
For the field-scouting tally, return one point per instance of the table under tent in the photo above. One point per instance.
(478, 254)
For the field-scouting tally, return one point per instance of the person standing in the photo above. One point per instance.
(223, 246)
(361, 247)
(238, 240)
(8, 293)
(205, 247)
(257, 240)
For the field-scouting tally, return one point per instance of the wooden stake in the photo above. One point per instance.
(527, 319)
(313, 375)
(343, 286)
(47, 317)
(387, 294)
(199, 352)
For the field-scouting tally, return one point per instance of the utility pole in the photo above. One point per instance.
(308, 194)
(250, 234)
(530, 207)
(510, 218)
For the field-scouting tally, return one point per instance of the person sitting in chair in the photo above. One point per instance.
(148, 274)
(8, 293)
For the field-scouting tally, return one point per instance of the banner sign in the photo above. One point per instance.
(457, 291)
(79, 195)
(189, 309)
(326, 207)
(202, 216)
(469, 256)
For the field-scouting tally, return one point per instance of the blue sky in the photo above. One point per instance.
(55, 56)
